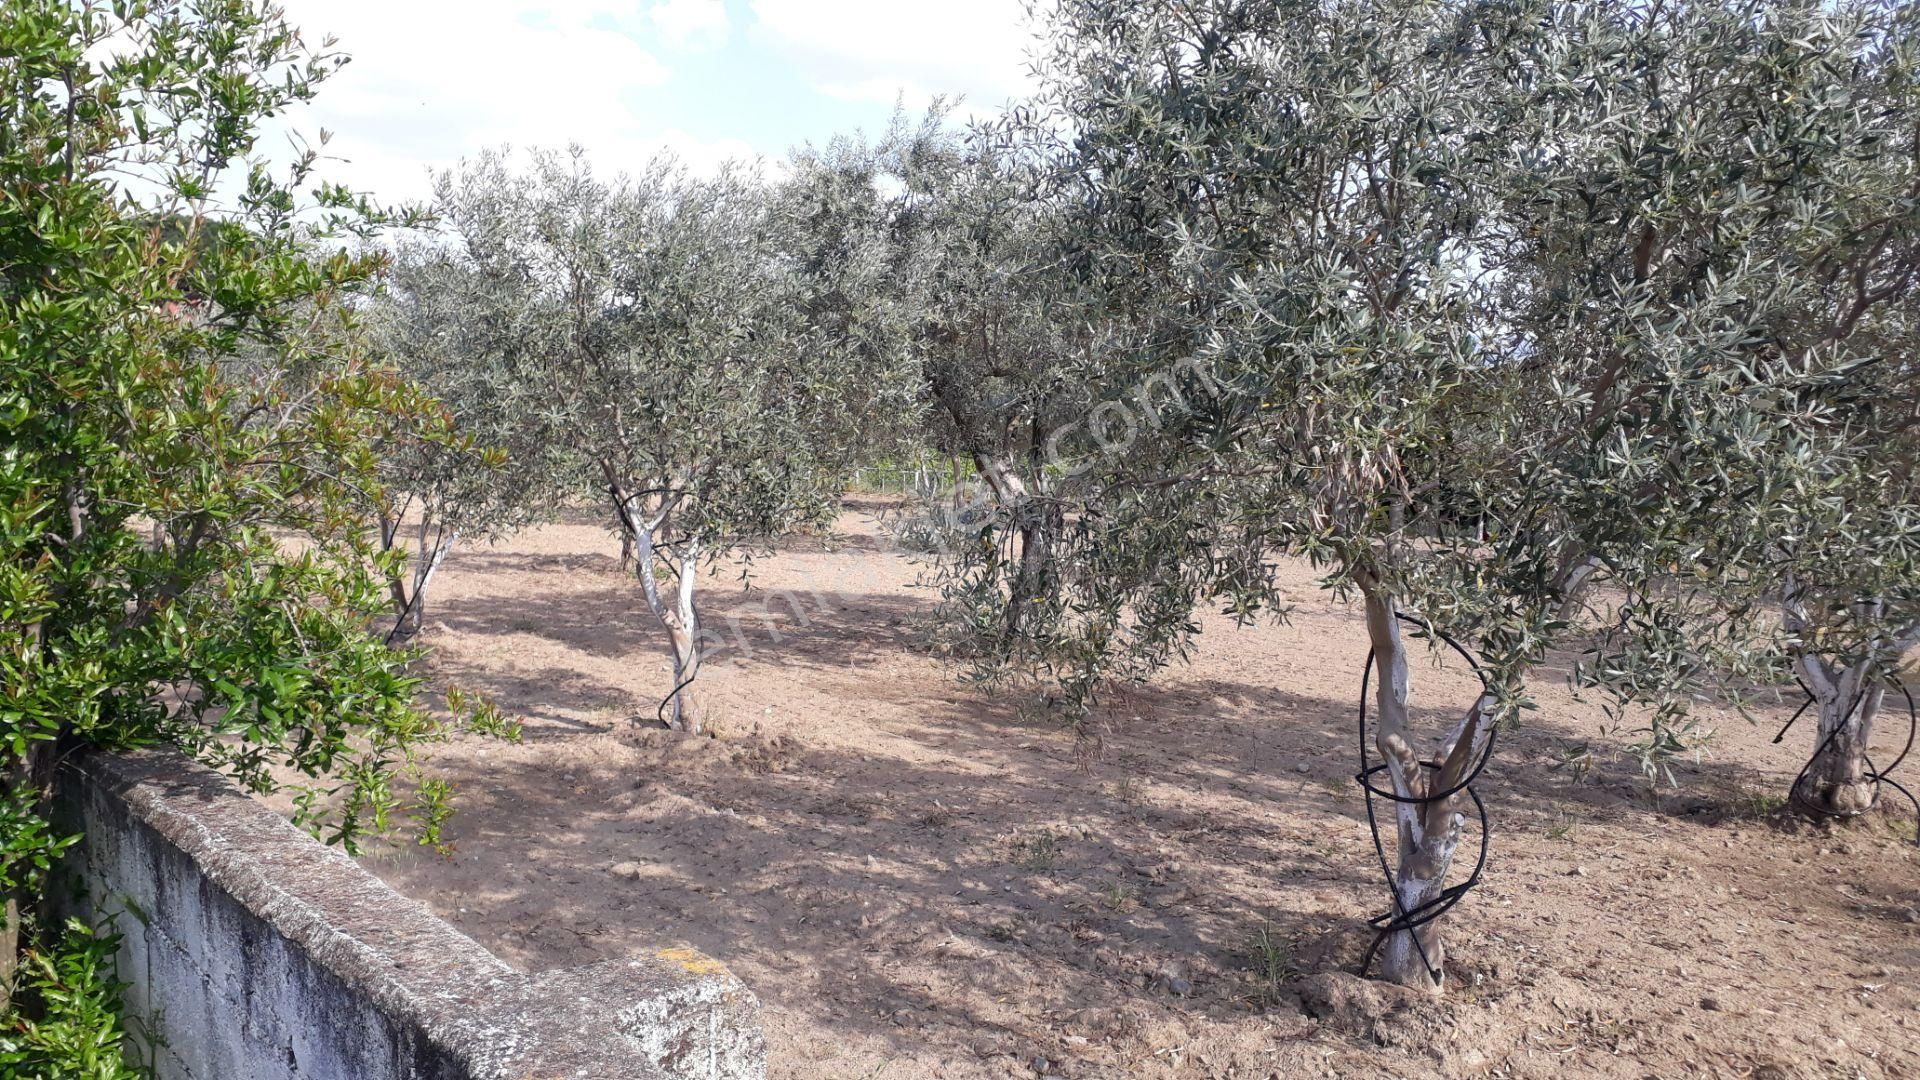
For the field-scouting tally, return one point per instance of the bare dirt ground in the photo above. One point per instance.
(919, 880)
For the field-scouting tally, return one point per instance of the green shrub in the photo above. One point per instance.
(191, 431)
(65, 1022)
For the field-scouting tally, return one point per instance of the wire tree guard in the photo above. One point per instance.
(1879, 776)
(1399, 918)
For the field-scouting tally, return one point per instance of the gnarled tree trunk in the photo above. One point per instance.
(1836, 782)
(1038, 524)
(1034, 525)
(1426, 833)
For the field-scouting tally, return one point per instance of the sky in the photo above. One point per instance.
(432, 81)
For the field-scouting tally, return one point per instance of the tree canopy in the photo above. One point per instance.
(1477, 305)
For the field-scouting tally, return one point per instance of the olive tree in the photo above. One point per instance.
(1712, 242)
(497, 474)
(661, 327)
(440, 491)
(1286, 194)
(998, 345)
(847, 293)
(1548, 270)
(966, 246)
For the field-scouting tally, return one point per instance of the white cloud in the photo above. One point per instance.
(428, 85)
(433, 81)
(690, 24)
(878, 50)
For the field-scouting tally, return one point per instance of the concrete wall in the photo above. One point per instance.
(254, 952)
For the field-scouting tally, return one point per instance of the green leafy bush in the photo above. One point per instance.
(65, 1024)
(190, 432)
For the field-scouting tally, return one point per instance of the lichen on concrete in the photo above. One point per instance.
(252, 950)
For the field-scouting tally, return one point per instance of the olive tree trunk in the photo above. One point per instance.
(680, 618)
(1037, 527)
(1836, 782)
(1426, 834)
(431, 548)
(1031, 543)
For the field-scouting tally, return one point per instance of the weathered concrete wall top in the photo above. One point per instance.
(254, 951)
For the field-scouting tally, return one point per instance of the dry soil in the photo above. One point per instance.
(920, 879)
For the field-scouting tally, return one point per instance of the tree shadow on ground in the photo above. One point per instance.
(937, 907)
(973, 883)
(925, 892)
